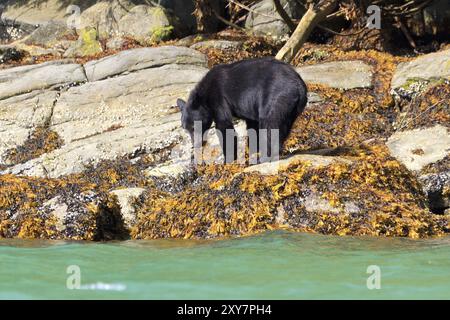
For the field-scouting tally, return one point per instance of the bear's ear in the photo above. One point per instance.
(181, 104)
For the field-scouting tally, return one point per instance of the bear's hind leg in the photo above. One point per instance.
(272, 137)
(253, 140)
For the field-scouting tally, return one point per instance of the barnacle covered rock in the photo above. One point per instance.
(426, 109)
(336, 176)
(42, 140)
(420, 147)
(430, 67)
(253, 47)
(338, 74)
(437, 188)
(373, 194)
(343, 118)
(422, 140)
(126, 199)
(358, 191)
(56, 209)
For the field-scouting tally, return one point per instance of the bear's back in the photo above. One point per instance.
(261, 73)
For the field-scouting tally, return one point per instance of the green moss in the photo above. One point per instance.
(199, 38)
(158, 12)
(89, 42)
(412, 81)
(159, 34)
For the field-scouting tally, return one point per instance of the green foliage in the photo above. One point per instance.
(161, 34)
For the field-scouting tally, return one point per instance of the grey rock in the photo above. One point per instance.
(269, 22)
(105, 17)
(48, 34)
(338, 74)
(434, 187)
(118, 18)
(139, 97)
(34, 51)
(19, 115)
(86, 45)
(126, 199)
(11, 136)
(115, 43)
(74, 156)
(10, 53)
(272, 168)
(81, 216)
(217, 44)
(142, 58)
(192, 39)
(30, 13)
(420, 147)
(62, 46)
(429, 67)
(28, 110)
(147, 24)
(314, 203)
(314, 98)
(107, 119)
(24, 79)
(14, 30)
(212, 150)
(281, 217)
(172, 170)
(59, 210)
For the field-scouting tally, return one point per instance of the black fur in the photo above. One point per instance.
(266, 93)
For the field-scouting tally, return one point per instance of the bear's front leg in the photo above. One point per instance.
(253, 140)
(228, 140)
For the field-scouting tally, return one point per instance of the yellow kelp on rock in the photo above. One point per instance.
(371, 195)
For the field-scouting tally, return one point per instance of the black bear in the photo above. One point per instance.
(266, 93)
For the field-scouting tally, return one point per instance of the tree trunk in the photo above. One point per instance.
(206, 19)
(3, 33)
(312, 17)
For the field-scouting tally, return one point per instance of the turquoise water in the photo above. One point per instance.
(275, 265)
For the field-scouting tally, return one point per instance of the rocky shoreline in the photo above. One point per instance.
(91, 149)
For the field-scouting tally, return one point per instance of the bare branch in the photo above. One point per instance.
(405, 31)
(229, 23)
(283, 14)
(254, 11)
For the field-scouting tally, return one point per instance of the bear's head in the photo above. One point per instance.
(195, 119)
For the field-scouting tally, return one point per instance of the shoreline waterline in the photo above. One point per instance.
(271, 265)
